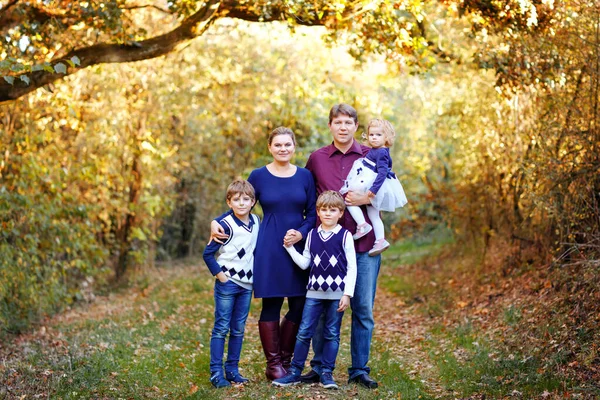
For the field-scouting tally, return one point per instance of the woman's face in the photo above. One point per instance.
(282, 148)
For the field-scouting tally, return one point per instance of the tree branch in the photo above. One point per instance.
(190, 28)
(11, 17)
(435, 49)
(7, 6)
(147, 6)
(274, 12)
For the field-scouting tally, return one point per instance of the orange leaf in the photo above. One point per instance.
(193, 389)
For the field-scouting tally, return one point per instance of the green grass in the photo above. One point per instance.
(512, 315)
(469, 364)
(401, 272)
(157, 346)
(415, 249)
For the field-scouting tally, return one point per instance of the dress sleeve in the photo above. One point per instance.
(310, 210)
(383, 167)
(212, 248)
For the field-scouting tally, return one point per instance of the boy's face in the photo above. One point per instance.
(329, 216)
(241, 204)
(343, 129)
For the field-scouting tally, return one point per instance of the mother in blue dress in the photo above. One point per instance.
(287, 196)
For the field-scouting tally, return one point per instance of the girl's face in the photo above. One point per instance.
(282, 148)
(376, 137)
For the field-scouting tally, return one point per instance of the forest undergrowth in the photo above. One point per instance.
(524, 330)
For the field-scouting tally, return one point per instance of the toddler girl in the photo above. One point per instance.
(373, 175)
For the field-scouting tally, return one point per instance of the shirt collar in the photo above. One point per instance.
(355, 148)
(334, 230)
(239, 222)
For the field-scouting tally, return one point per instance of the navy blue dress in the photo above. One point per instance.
(287, 203)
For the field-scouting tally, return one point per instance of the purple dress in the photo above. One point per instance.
(287, 203)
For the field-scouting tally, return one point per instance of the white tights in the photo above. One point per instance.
(373, 214)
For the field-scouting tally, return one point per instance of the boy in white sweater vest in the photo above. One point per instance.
(233, 269)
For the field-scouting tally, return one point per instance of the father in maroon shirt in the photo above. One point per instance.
(330, 166)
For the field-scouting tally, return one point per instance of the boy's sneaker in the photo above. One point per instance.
(327, 381)
(235, 377)
(380, 246)
(219, 381)
(362, 230)
(311, 377)
(291, 378)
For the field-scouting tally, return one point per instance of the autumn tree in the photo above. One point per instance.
(46, 41)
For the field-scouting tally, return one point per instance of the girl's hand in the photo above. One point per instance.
(344, 303)
(357, 199)
(370, 195)
(217, 233)
(291, 237)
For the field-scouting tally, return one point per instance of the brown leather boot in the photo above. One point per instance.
(269, 337)
(287, 331)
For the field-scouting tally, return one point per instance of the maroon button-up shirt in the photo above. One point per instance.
(329, 167)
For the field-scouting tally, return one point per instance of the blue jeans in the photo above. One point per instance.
(313, 309)
(232, 304)
(362, 317)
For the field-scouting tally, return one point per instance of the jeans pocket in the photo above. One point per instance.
(221, 284)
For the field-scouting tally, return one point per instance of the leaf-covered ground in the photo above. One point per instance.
(443, 330)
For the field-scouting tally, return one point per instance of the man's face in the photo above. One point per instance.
(343, 128)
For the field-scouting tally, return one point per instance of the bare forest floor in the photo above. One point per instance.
(447, 326)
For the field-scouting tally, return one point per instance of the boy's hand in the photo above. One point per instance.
(344, 303)
(217, 233)
(222, 277)
(291, 237)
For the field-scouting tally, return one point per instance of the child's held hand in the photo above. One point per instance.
(344, 303)
(291, 237)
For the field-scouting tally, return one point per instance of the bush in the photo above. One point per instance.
(48, 251)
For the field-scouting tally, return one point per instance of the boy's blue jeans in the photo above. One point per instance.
(367, 271)
(232, 304)
(313, 308)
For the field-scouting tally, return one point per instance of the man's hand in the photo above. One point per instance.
(217, 233)
(291, 237)
(357, 199)
(344, 303)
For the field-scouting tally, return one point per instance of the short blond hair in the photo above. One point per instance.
(386, 127)
(240, 186)
(331, 199)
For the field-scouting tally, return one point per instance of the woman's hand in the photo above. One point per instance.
(291, 237)
(357, 199)
(217, 233)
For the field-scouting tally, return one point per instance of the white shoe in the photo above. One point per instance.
(380, 246)
(362, 230)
